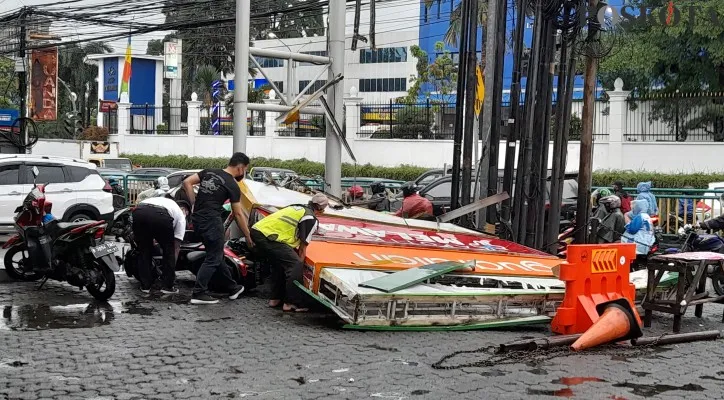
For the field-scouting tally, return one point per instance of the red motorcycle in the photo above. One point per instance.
(72, 252)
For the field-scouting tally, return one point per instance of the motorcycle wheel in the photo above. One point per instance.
(14, 268)
(717, 281)
(104, 290)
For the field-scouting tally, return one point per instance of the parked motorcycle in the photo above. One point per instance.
(73, 252)
(695, 242)
(191, 256)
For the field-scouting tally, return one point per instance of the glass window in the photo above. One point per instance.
(48, 174)
(123, 164)
(442, 190)
(383, 55)
(9, 174)
(77, 174)
(383, 85)
(316, 86)
(270, 62)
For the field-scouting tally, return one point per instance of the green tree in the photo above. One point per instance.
(655, 58)
(438, 77)
(79, 75)
(9, 97)
(154, 47)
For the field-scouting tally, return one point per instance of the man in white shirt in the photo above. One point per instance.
(158, 218)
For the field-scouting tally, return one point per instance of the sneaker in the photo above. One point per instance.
(203, 299)
(234, 294)
(171, 290)
(145, 291)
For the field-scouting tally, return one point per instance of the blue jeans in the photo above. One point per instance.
(211, 232)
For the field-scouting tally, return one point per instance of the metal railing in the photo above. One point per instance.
(110, 122)
(392, 120)
(680, 207)
(307, 125)
(132, 185)
(256, 122)
(676, 117)
(148, 119)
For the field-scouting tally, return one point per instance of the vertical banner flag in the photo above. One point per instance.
(44, 84)
(216, 109)
(127, 70)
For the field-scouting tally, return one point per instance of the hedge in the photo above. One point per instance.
(408, 173)
(301, 166)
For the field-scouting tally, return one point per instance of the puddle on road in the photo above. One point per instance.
(42, 317)
(653, 390)
(567, 391)
(576, 380)
(71, 316)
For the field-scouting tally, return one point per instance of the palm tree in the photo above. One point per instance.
(80, 76)
(203, 80)
(453, 32)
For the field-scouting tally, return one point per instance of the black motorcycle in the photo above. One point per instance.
(695, 242)
(72, 252)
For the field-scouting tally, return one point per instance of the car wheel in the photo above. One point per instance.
(81, 216)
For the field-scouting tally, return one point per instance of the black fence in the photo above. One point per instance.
(147, 119)
(681, 117)
(255, 122)
(306, 125)
(392, 120)
(110, 121)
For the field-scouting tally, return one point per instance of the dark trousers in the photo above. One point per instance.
(151, 223)
(286, 267)
(211, 233)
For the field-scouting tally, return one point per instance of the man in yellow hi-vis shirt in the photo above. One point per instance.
(283, 237)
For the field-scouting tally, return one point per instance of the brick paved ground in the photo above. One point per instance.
(58, 344)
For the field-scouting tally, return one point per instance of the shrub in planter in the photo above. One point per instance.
(95, 133)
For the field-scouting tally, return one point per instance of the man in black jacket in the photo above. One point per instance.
(714, 224)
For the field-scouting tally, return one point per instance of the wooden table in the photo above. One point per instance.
(690, 288)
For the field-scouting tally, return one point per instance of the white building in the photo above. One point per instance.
(378, 75)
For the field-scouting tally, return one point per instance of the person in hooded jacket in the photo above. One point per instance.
(612, 224)
(640, 230)
(644, 189)
(619, 191)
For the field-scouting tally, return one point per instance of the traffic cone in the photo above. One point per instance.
(617, 321)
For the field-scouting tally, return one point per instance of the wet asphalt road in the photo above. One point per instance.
(57, 343)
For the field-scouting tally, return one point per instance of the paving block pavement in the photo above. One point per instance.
(57, 343)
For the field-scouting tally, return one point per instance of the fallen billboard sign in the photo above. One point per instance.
(44, 84)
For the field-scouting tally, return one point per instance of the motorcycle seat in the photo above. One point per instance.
(191, 245)
(195, 256)
(65, 226)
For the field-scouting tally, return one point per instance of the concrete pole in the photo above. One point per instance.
(241, 73)
(335, 94)
(175, 95)
(290, 81)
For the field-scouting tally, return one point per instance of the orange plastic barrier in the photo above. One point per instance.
(593, 274)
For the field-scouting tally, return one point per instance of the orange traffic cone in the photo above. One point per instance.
(617, 321)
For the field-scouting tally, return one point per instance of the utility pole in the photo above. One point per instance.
(522, 187)
(487, 117)
(241, 72)
(175, 86)
(335, 94)
(515, 115)
(22, 73)
(459, 104)
(586, 157)
(470, 78)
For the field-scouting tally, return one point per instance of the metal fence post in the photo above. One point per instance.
(427, 115)
(390, 113)
(145, 128)
(677, 99)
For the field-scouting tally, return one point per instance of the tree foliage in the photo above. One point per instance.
(656, 58)
(9, 97)
(436, 78)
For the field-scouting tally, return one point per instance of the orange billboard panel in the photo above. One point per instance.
(44, 84)
(326, 254)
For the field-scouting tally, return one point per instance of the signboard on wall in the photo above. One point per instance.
(171, 51)
(44, 84)
(107, 106)
(100, 148)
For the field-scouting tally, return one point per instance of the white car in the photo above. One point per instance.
(716, 206)
(74, 187)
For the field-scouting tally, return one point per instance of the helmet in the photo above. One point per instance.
(162, 182)
(409, 188)
(355, 192)
(377, 187)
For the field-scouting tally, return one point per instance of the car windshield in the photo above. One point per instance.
(570, 189)
(119, 163)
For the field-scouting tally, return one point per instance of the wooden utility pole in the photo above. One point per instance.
(586, 161)
(460, 105)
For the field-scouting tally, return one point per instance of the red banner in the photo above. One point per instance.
(369, 232)
(107, 106)
(44, 84)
